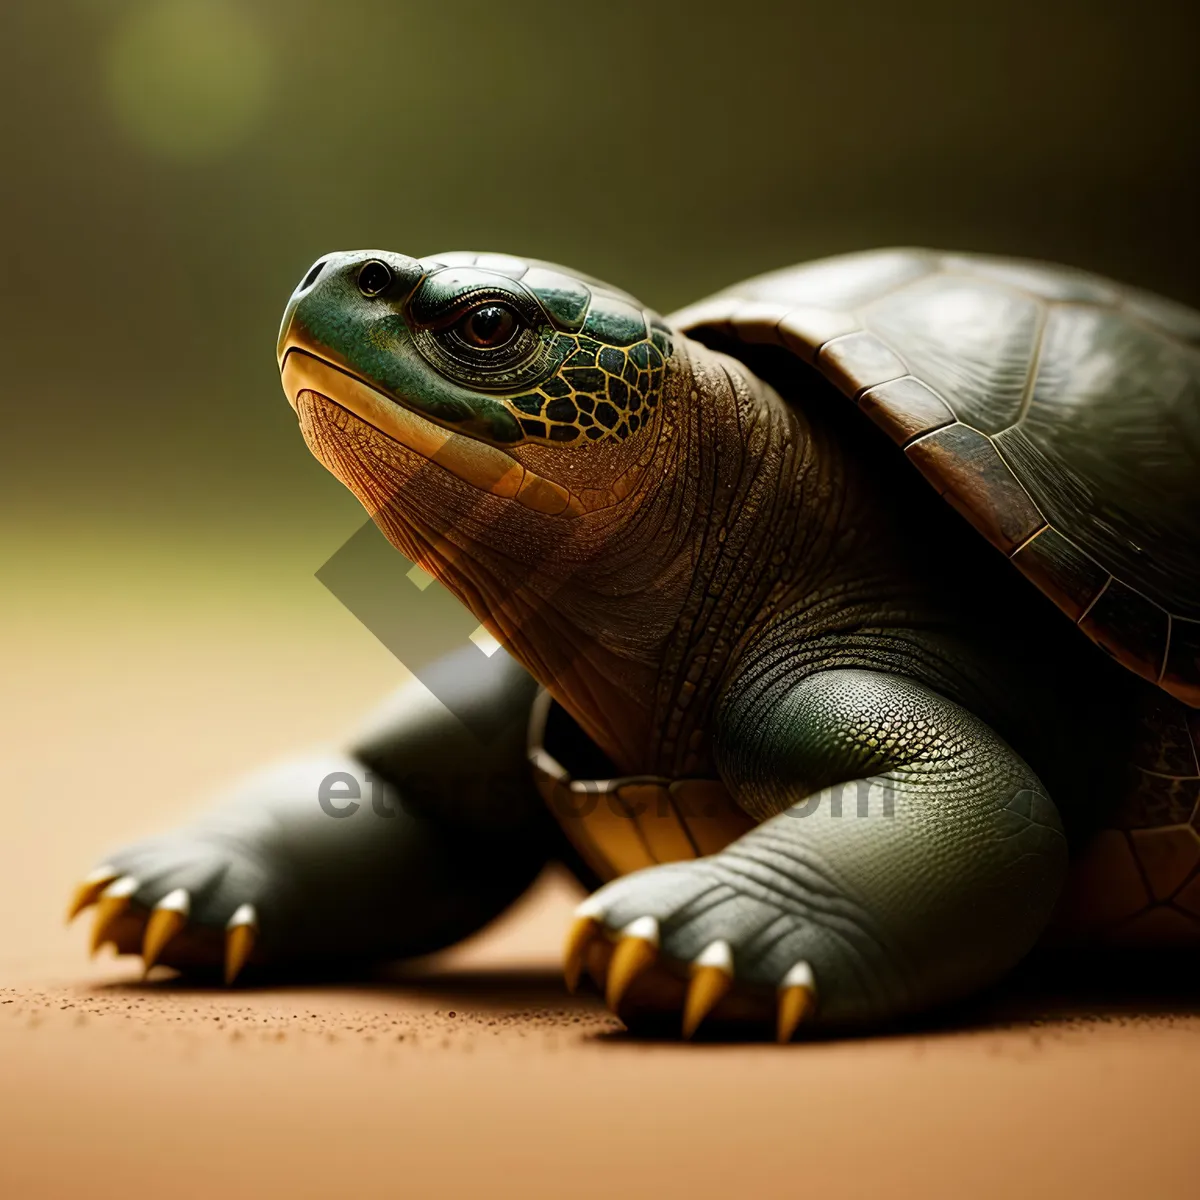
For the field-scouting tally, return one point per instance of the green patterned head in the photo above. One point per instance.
(517, 357)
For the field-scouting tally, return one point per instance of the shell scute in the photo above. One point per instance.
(966, 468)
(1167, 856)
(971, 341)
(1131, 628)
(1059, 284)
(845, 283)
(1176, 319)
(1182, 672)
(805, 330)
(1060, 569)
(905, 408)
(758, 323)
(858, 361)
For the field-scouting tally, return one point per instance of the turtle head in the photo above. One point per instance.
(522, 379)
(501, 421)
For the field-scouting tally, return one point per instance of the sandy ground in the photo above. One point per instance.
(474, 1073)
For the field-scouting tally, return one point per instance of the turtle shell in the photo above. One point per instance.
(1059, 412)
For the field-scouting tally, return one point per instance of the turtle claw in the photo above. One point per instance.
(585, 930)
(634, 954)
(240, 935)
(797, 1001)
(87, 892)
(112, 901)
(711, 979)
(170, 915)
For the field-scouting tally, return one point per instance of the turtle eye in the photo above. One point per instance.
(375, 277)
(485, 341)
(490, 326)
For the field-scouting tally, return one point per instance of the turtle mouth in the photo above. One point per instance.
(303, 369)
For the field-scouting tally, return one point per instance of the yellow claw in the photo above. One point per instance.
(634, 954)
(168, 918)
(797, 1001)
(88, 892)
(110, 904)
(712, 977)
(584, 930)
(240, 935)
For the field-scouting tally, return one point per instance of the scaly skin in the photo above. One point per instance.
(729, 585)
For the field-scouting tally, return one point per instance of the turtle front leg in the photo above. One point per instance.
(912, 860)
(409, 841)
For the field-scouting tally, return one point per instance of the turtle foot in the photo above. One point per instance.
(693, 960)
(180, 901)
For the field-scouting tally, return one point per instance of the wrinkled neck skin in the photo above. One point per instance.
(728, 499)
(630, 615)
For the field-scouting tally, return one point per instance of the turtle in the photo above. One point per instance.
(849, 628)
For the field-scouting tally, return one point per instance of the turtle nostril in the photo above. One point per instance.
(311, 277)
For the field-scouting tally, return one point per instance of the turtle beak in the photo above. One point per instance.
(298, 354)
(306, 284)
(283, 342)
(294, 335)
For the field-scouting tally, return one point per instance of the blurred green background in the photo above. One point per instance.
(171, 168)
